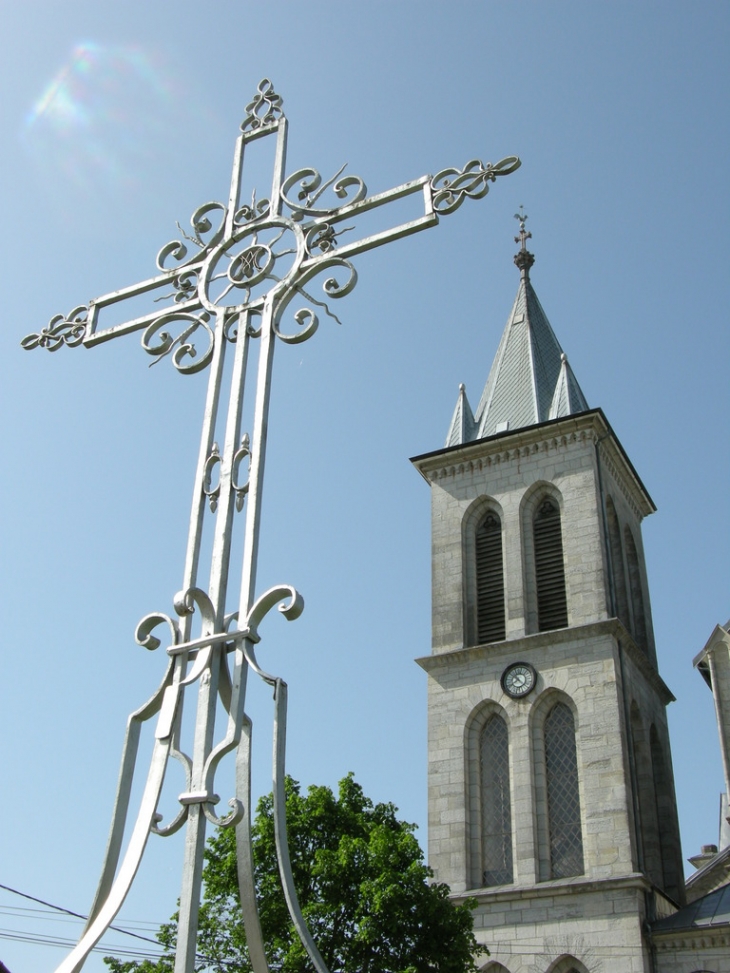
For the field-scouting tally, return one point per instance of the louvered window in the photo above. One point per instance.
(552, 607)
(563, 795)
(490, 580)
(496, 808)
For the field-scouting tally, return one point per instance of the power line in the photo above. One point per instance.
(77, 915)
(39, 939)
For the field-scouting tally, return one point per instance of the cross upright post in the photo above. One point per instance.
(248, 262)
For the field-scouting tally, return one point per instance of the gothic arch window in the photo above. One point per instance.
(666, 819)
(489, 574)
(562, 787)
(567, 964)
(552, 606)
(648, 825)
(496, 813)
(489, 801)
(637, 593)
(617, 564)
(483, 565)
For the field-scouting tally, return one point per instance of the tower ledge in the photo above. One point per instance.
(551, 434)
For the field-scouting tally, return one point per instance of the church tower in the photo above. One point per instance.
(551, 794)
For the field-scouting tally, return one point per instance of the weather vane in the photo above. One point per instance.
(229, 284)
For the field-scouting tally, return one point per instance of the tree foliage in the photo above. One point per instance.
(363, 889)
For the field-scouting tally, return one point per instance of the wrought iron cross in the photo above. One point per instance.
(230, 283)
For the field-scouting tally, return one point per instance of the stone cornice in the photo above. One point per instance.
(611, 461)
(705, 938)
(564, 886)
(556, 434)
(642, 663)
(611, 627)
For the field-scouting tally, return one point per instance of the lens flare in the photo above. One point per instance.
(99, 118)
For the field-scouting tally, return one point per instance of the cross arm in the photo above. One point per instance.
(442, 194)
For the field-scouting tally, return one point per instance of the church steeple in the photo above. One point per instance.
(551, 800)
(530, 380)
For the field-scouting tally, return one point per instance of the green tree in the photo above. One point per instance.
(363, 889)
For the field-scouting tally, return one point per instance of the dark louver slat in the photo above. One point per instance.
(490, 580)
(552, 606)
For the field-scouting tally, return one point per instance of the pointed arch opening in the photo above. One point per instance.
(496, 806)
(546, 600)
(563, 793)
(567, 964)
(557, 787)
(489, 804)
(666, 815)
(648, 825)
(552, 604)
(483, 560)
(637, 592)
(489, 570)
(617, 564)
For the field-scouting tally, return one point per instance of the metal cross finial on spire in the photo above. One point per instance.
(524, 259)
(524, 235)
(229, 283)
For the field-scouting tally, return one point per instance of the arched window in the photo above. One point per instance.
(648, 825)
(637, 593)
(552, 607)
(567, 964)
(495, 803)
(667, 820)
(617, 564)
(563, 793)
(489, 579)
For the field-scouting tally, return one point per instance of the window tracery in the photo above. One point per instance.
(563, 793)
(496, 814)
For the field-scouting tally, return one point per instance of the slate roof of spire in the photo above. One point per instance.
(530, 380)
(463, 428)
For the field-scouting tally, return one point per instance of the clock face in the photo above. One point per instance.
(519, 679)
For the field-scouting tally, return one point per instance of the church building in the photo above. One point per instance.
(550, 785)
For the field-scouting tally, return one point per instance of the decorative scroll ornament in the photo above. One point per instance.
(450, 187)
(256, 211)
(350, 189)
(226, 287)
(264, 109)
(69, 329)
(177, 251)
(157, 341)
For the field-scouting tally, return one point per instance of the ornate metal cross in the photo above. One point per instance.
(229, 284)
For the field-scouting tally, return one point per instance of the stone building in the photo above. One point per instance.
(551, 792)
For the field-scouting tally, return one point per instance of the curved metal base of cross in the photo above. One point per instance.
(210, 649)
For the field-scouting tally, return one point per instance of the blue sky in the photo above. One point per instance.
(117, 121)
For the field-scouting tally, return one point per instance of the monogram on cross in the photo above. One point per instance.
(229, 283)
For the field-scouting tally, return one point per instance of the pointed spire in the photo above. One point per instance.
(530, 380)
(568, 397)
(463, 427)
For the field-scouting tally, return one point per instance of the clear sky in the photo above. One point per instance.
(119, 119)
